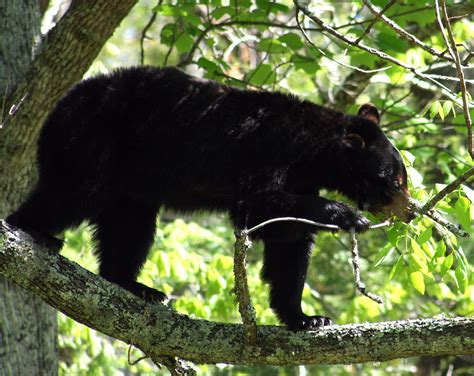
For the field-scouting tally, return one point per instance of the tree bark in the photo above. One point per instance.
(159, 331)
(27, 325)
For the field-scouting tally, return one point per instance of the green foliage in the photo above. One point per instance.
(420, 269)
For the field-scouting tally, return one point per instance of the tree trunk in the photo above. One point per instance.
(28, 326)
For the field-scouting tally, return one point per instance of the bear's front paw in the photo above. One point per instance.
(346, 218)
(309, 323)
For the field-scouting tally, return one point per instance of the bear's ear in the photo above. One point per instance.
(353, 141)
(369, 111)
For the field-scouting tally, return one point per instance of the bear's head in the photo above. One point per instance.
(377, 179)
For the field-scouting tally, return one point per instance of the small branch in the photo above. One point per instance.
(356, 265)
(373, 51)
(377, 15)
(243, 243)
(143, 36)
(246, 309)
(447, 190)
(453, 51)
(427, 209)
(308, 222)
(405, 34)
(173, 41)
(417, 207)
(308, 39)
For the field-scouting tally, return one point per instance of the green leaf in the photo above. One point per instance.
(447, 107)
(166, 34)
(434, 109)
(292, 41)
(262, 75)
(396, 269)
(417, 251)
(384, 254)
(425, 235)
(360, 59)
(208, 65)
(170, 10)
(388, 41)
(441, 112)
(461, 259)
(218, 12)
(447, 263)
(468, 192)
(461, 279)
(163, 264)
(308, 64)
(300, 82)
(394, 234)
(184, 42)
(272, 46)
(463, 212)
(418, 282)
(272, 6)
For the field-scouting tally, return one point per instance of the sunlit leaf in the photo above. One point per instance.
(461, 278)
(463, 212)
(446, 266)
(396, 268)
(425, 235)
(418, 282)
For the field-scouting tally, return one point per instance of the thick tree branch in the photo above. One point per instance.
(159, 331)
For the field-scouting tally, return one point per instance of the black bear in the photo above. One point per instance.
(118, 147)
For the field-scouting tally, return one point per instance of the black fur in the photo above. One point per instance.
(120, 146)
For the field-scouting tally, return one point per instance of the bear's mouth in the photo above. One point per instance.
(400, 205)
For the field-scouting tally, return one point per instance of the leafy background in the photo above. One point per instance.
(419, 269)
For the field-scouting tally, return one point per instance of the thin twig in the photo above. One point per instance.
(231, 22)
(448, 78)
(143, 36)
(435, 216)
(356, 265)
(373, 51)
(173, 41)
(446, 190)
(308, 39)
(405, 34)
(308, 222)
(453, 51)
(377, 15)
(136, 361)
(427, 209)
(294, 219)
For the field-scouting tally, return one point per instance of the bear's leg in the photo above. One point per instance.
(47, 212)
(285, 267)
(124, 233)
